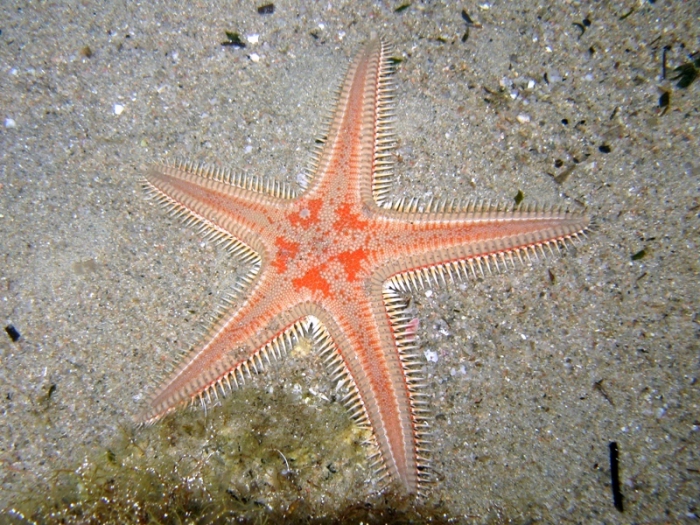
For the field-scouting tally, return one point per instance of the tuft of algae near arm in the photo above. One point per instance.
(259, 458)
(206, 468)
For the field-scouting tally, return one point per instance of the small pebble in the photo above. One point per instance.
(431, 356)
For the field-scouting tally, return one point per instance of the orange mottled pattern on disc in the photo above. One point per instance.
(332, 264)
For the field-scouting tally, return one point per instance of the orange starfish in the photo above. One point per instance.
(333, 264)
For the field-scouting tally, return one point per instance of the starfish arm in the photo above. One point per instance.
(365, 349)
(261, 329)
(235, 209)
(436, 243)
(353, 162)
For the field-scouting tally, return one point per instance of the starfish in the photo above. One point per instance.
(334, 263)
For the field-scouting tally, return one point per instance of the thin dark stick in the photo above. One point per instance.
(663, 62)
(615, 475)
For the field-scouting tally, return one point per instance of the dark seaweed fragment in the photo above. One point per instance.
(598, 385)
(639, 255)
(561, 178)
(665, 101)
(686, 73)
(13, 333)
(467, 18)
(402, 7)
(628, 13)
(519, 197)
(234, 39)
(266, 9)
(46, 398)
(470, 23)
